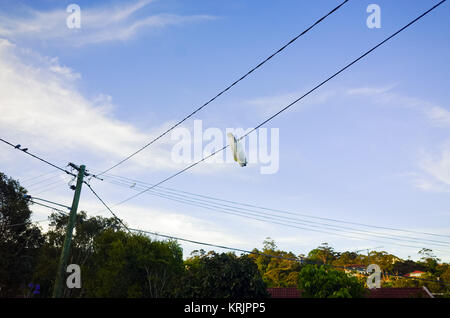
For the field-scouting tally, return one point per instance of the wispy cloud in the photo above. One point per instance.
(433, 165)
(437, 166)
(436, 114)
(268, 105)
(98, 24)
(43, 100)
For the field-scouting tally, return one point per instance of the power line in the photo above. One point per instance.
(25, 150)
(44, 200)
(39, 176)
(208, 204)
(135, 182)
(50, 187)
(227, 88)
(286, 107)
(302, 261)
(25, 223)
(272, 220)
(50, 207)
(215, 245)
(43, 181)
(103, 202)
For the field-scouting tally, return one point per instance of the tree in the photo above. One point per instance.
(81, 251)
(349, 258)
(385, 260)
(321, 282)
(323, 253)
(133, 266)
(429, 260)
(19, 239)
(223, 275)
(276, 271)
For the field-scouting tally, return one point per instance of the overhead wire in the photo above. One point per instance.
(36, 157)
(131, 182)
(288, 106)
(291, 219)
(39, 176)
(301, 260)
(48, 201)
(273, 220)
(227, 88)
(25, 223)
(107, 207)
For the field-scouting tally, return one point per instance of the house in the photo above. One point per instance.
(400, 293)
(415, 274)
(355, 269)
(283, 292)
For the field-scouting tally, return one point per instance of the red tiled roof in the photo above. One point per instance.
(284, 292)
(398, 293)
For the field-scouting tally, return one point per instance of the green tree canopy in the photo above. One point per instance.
(20, 240)
(132, 265)
(324, 282)
(323, 253)
(82, 248)
(223, 275)
(276, 271)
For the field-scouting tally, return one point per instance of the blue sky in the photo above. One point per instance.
(371, 146)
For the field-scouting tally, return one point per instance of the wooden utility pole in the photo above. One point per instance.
(61, 271)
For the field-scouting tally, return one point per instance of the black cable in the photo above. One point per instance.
(286, 107)
(227, 88)
(302, 261)
(103, 202)
(268, 219)
(36, 157)
(39, 176)
(214, 245)
(49, 187)
(274, 210)
(44, 181)
(50, 207)
(51, 202)
(25, 223)
(343, 69)
(208, 204)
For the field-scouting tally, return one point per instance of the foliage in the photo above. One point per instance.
(85, 230)
(20, 240)
(276, 271)
(324, 282)
(223, 275)
(131, 265)
(118, 264)
(323, 253)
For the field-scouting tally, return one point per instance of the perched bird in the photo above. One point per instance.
(17, 147)
(25, 149)
(238, 150)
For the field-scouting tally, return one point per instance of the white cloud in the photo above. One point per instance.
(43, 101)
(268, 105)
(438, 168)
(98, 24)
(440, 116)
(433, 167)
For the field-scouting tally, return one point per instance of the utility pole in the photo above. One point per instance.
(58, 287)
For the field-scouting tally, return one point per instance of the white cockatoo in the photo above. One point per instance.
(238, 150)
